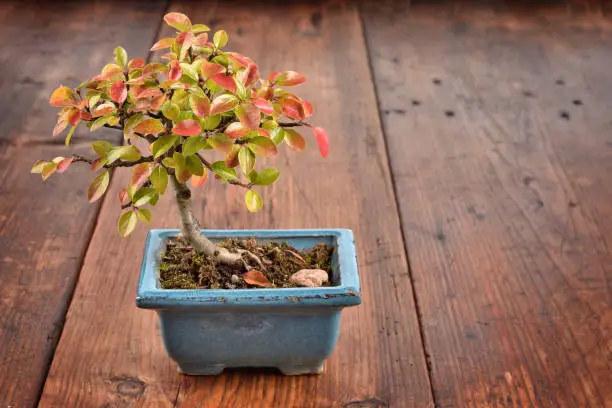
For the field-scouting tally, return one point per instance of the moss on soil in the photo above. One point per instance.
(181, 267)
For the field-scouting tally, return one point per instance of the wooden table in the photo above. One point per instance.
(471, 153)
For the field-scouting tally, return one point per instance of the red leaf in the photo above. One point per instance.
(187, 127)
(60, 126)
(264, 105)
(85, 115)
(136, 63)
(263, 132)
(293, 108)
(74, 117)
(63, 96)
(322, 140)
(225, 81)
(250, 75)
(210, 69)
(308, 108)
(174, 19)
(239, 59)
(63, 165)
(249, 115)
(236, 130)
(104, 109)
(140, 174)
(272, 77)
(289, 78)
(175, 71)
(186, 37)
(256, 278)
(200, 105)
(199, 181)
(118, 92)
(123, 197)
(201, 40)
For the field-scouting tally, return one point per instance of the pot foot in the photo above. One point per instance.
(200, 369)
(300, 369)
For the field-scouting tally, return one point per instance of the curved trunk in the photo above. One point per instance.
(190, 228)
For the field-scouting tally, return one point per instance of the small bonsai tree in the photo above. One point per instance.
(203, 98)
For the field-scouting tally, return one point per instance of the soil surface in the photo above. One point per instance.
(181, 267)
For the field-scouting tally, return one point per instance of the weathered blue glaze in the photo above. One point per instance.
(295, 330)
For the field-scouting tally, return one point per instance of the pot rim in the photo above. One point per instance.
(150, 296)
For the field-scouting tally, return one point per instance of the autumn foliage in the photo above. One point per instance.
(200, 98)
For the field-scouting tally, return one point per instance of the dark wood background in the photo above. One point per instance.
(471, 153)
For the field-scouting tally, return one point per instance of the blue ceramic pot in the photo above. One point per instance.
(295, 330)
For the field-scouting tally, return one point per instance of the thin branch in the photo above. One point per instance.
(119, 163)
(208, 165)
(294, 124)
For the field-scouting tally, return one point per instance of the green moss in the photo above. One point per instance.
(183, 268)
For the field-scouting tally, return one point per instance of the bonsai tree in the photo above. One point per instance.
(173, 116)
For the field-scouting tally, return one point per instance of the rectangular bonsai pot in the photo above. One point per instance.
(292, 329)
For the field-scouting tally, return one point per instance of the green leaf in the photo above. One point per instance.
(220, 39)
(143, 196)
(221, 170)
(295, 140)
(38, 166)
(277, 135)
(171, 110)
(181, 172)
(199, 28)
(210, 122)
(144, 215)
(189, 72)
(163, 144)
(246, 158)
(102, 147)
(262, 146)
(131, 123)
(169, 162)
(127, 223)
(159, 179)
(48, 169)
(193, 145)
(194, 165)
(98, 123)
(98, 186)
(253, 200)
(266, 177)
(69, 135)
(127, 153)
(121, 57)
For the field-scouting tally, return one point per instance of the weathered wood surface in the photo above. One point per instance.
(111, 353)
(500, 140)
(45, 228)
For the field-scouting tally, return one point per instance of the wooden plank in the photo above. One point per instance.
(111, 353)
(498, 127)
(45, 229)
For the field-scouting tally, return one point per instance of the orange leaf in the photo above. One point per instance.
(85, 115)
(118, 92)
(262, 146)
(63, 165)
(162, 44)
(264, 105)
(103, 109)
(231, 158)
(63, 96)
(177, 20)
(111, 70)
(256, 278)
(158, 101)
(187, 127)
(225, 81)
(289, 78)
(223, 103)
(74, 117)
(322, 140)
(239, 59)
(209, 69)
(308, 108)
(60, 126)
(149, 127)
(140, 174)
(249, 115)
(295, 140)
(199, 181)
(123, 197)
(250, 75)
(200, 105)
(236, 130)
(201, 40)
(175, 71)
(293, 108)
(98, 163)
(136, 63)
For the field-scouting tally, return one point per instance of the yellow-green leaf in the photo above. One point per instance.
(194, 165)
(246, 158)
(38, 167)
(193, 145)
(295, 140)
(121, 57)
(127, 153)
(144, 215)
(262, 146)
(98, 186)
(143, 196)
(171, 110)
(266, 177)
(220, 39)
(159, 179)
(48, 169)
(224, 172)
(101, 147)
(127, 223)
(253, 200)
(163, 144)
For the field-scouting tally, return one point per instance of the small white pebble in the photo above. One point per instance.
(309, 277)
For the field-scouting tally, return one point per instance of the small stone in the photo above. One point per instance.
(309, 277)
(235, 279)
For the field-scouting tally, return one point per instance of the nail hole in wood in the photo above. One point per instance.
(560, 82)
(416, 102)
(577, 102)
(437, 81)
(449, 113)
(564, 115)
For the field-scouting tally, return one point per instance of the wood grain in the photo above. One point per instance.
(45, 228)
(500, 140)
(111, 354)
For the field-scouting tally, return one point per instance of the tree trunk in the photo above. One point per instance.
(190, 228)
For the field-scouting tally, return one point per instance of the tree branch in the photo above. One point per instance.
(119, 163)
(294, 124)
(208, 165)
